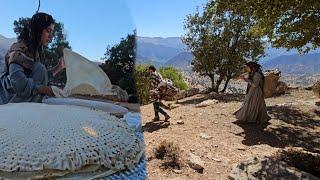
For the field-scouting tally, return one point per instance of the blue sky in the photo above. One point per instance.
(90, 25)
(162, 18)
(93, 25)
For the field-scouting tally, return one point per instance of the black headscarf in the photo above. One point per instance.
(255, 68)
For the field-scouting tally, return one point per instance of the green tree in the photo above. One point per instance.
(119, 63)
(175, 76)
(142, 80)
(54, 50)
(286, 23)
(221, 42)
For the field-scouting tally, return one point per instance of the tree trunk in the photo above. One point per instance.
(211, 76)
(226, 84)
(216, 89)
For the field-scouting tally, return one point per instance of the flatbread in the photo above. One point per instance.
(83, 77)
(54, 140)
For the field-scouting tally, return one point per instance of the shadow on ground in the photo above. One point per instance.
(154, 126)
(293, 116)
(298, 130)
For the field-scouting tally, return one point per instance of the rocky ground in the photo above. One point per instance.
(210, 133)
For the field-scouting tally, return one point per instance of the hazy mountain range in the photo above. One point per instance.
(5, 44)
(172, 52)
(160, 51)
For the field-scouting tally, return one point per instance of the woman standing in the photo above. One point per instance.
(25, 78)
(253, 109)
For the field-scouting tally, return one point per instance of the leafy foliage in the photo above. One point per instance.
(142, 79)
(119, 64)
(221, 42)
(174, 75)
(286, 23)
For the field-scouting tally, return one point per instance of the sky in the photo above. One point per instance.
(162, 18)
(92, 25)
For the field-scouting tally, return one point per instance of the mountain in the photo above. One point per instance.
(181, 61)
(174, 42)
(159, 49)
(172, 52)
(295, 64)
(272, 53)
(145, 61)
(5, 44)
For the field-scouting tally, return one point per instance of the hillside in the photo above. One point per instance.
(295, 64)
(181, 61)
(5, 44)
(212, 134)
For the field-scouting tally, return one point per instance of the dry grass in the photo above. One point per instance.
(170, 154)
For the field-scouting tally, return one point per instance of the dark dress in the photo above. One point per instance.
(253, 109)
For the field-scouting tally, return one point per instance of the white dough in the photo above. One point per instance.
(83, 77)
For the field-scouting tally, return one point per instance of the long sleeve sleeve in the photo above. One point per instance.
(22, 85)
(256, 80)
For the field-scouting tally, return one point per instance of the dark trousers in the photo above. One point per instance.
(157, 108)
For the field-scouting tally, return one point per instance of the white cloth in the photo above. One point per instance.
(83, 77)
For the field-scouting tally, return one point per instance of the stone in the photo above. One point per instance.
(180, 122)
(271, 78)
(266, 168)
(207, 103)
(217, 160)
(195, 163)
(282, 88)
(205, 136)
(121, 94)
(177, 171)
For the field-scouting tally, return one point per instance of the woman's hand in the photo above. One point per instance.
(46, 90)
(61, 65)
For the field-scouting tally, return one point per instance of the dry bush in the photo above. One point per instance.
(170, 155)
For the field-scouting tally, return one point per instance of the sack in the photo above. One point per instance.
(271, 79)
(167, 89)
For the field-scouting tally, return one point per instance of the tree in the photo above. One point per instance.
(286, 23)
(200, 43)
(119, 63)
(175, 76)
(54, 50)
(142, 79)
(221, 42)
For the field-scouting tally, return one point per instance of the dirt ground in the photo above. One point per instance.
(295, 122)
